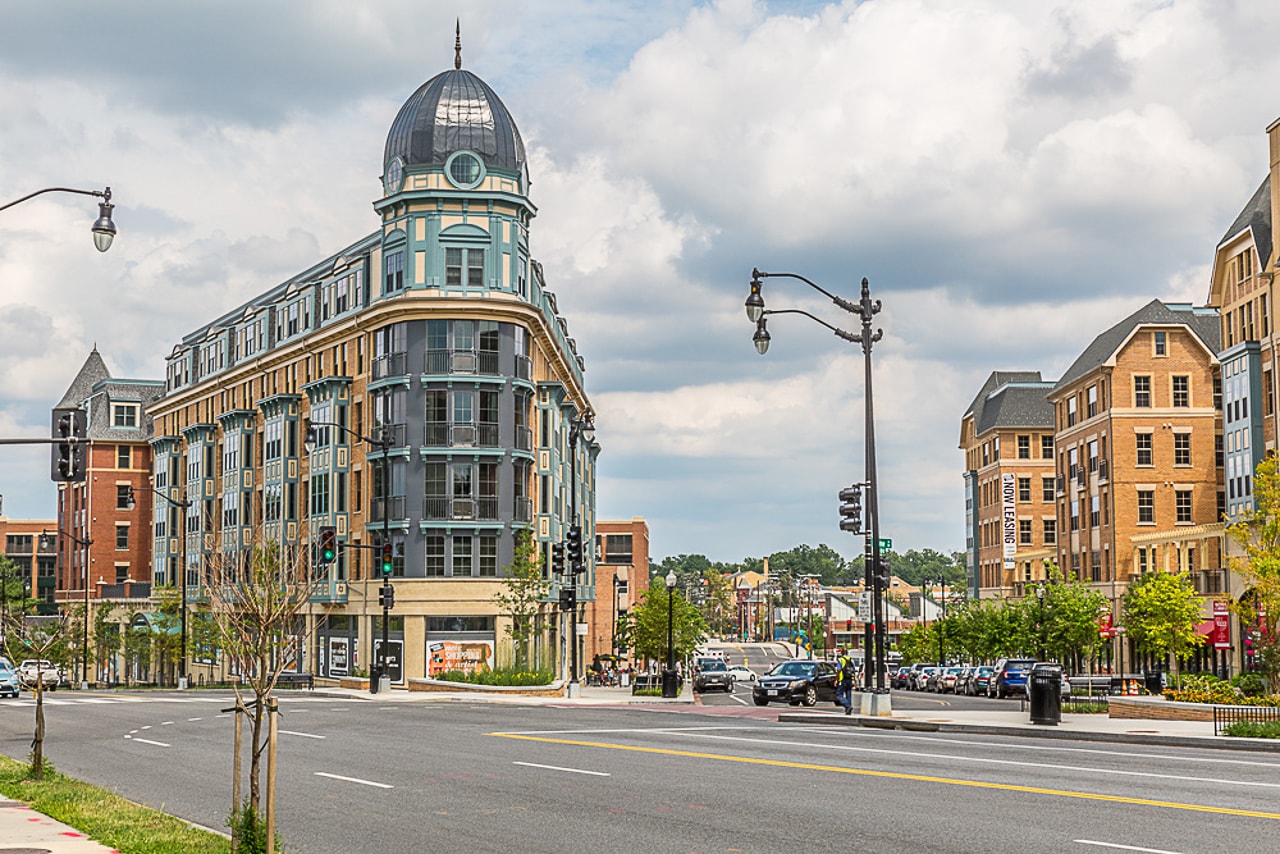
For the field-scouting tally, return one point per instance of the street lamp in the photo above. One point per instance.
(104, 230)
(669, 688)
(1040, 624)
(387, 593)
(865, 308)
(584, 427)
(183, 505)
(84, 544)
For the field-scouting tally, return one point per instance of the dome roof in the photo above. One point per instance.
(455, 111)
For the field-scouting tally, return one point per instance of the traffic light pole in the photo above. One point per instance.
(577, 427)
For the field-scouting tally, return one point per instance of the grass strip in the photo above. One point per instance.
(106, 817)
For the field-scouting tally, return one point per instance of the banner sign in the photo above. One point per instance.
(1009, 495)
(467, 656)
(1221, 625)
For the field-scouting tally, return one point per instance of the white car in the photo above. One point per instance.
(742, 673)
(31, 670)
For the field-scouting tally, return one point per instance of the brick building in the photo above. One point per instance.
(622, 575)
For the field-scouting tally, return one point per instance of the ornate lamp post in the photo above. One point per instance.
(670, 689)
(865, 308)
(104, 230)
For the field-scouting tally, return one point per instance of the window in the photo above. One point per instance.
(122, 496)
(1075, 515)
(1091, 448)
(122, 537)
(1182, 391)
(1046, 488)
(462, 557)
(1095, 511)
(1182, 505)
(1071, 411)
(1050, 532)
(1046, 447)
(1161, 343)
(124, 415)
(1024, 532)
(273, 440)
(488, 567)
(457, 260)
(1024, 447)
(320, 494)
(124, 457)
(1182, 449)
(1144, 457)
(393, 279)
(435, 555)
(1024, 489)
(1091, 402)
(1142, 391)
(1146, 507)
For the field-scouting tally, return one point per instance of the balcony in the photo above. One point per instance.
(391, 510)
(390, 365)
(1210, 582)
(397, 436)
(441, 509)
(523, 511)
(482, 362)
(524, 439)
(524, 367)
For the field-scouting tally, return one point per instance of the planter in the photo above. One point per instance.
(353, 682)
(1157, 709)
(555, 689)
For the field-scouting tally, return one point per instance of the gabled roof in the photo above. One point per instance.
(1202, 322)
(92, 372)
(1256, 217)
(1011, 399)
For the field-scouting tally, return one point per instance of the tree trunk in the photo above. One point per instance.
(274, 715)
(37, 743)
(236, 767)
(255, 758)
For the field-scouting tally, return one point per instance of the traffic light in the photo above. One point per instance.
(387, 564)
(851, 509)
(883, 574)
(568, 598)
(848, 625)
(573, 547)
(67, 458)
(386, 596)
(328, 544)
(308, 433)
(557, 557)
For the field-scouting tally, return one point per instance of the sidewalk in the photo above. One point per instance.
(24, 829)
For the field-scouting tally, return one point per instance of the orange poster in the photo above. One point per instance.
(467, 656)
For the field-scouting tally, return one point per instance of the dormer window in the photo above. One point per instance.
(124, 415)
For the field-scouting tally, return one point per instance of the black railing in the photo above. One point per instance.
(395, 505)
(390, 365)
(1225, 716)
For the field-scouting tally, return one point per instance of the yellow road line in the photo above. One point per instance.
(919, 778)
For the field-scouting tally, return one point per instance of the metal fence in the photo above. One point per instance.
(1225, 716)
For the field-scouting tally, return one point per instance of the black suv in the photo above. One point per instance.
(1009, 677)
(712, 673)
(797, 681)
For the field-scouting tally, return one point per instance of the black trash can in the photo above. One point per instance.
(670, 684)
(375, 676)
(1154, 683)
(1044, 689)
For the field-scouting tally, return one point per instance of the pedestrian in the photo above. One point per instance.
(844, 682)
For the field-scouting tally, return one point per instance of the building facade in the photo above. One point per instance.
(439, 332)
(622, 576)
(1007, 435)
(33, 563)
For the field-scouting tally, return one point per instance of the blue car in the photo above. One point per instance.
(8, 681)
(1010, 677)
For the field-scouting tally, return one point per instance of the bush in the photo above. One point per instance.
(249, 830)
(1212, 690)
(1250, 684)
(1083, 707)
(1252, 729)
(647, 692)
(509, 677)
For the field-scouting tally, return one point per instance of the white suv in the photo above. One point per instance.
(44, 670)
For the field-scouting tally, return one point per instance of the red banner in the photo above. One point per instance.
(1221, 625)
(1104, 625)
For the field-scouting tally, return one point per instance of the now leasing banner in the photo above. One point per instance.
(1008, 496)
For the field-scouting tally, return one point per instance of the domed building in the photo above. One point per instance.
(446, 405)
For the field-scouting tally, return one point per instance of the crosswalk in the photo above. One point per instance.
(118, 699)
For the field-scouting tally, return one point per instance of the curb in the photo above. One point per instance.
(1047, 732)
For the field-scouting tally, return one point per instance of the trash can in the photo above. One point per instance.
(670, 685)
(375, 676)
(1154, 683)
(1044, 689)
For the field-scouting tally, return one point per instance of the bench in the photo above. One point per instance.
(1225, 716)
(296, 680)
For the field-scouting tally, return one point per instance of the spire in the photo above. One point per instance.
(457, 43)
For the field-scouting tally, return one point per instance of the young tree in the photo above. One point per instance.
(256, 597)
(1161, 611)
(38, 638)
(106, 637)
(1071, 618)
(1258, 536)
(649, 623)
(522, 597)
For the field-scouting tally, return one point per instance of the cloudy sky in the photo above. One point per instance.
(1011, 177)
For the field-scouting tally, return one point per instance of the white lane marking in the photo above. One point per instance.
(1049, 749)
(737, 698)
(149, 741)
(227, 715)
(558, 768)
(1123, 847)
(166, 723)
(189, 720)
(301, 734)
(354, 780)
(989, 761)
(148, 726)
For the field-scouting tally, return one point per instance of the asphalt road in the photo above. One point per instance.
(357, 775)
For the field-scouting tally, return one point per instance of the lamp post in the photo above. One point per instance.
(669, 688)
(183, 505)
(585, 428)
(386, 593)
(104, 230)
(84, 544)
(865, 308)
(1040, 623)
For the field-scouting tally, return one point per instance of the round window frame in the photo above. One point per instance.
(480, 173)
(396, 165)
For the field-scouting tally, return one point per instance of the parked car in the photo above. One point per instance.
(979, 679)
(742, 673)
(797, 681)
(922, 677)
(1009, 677)
(32, 669)
(962, 680)
(9, 682)
(901, 678)
(712, 673)
(947, 679)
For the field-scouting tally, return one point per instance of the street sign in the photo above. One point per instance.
(864, 606)
(885, 544)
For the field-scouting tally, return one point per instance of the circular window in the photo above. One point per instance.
(464, 169)
(394, 176)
